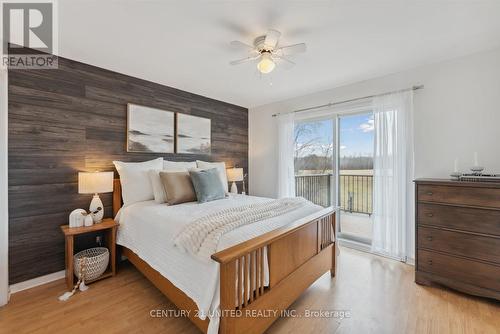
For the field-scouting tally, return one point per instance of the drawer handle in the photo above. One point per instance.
(429, 238)
(429, 262)
(430, 215)
(430, 193)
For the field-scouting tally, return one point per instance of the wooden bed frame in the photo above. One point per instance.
(298, 254)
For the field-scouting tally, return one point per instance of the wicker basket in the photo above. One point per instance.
(97, 260)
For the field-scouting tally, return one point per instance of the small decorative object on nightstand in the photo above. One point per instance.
(89, 220)
(77, 218)
(234, 175)
(95, 183)
(109, 226)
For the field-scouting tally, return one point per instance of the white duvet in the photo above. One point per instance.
(148, 229)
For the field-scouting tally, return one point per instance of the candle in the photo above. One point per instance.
(455, 166)
(476, 163)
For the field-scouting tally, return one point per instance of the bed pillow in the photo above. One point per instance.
(207, 185)
(160, 196)
(135, 181)
(178, 165)
(178, 187)
(170, 166)
(221, 167)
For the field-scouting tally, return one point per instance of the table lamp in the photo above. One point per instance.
(95, 183)
(234, 175)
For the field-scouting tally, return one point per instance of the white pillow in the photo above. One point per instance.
(159, 192)
(178, 166)
(158, 189)
(134, 177)
(221, 167)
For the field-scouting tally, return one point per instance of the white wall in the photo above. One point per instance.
(456, 114)
(4, 244)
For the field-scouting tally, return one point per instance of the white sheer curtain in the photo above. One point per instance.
(286, 172)
(392, 174)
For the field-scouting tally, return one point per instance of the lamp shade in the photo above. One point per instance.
(95, 182)
(235, 174)
(266, 64)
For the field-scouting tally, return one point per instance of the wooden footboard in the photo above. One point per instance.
(297, 255)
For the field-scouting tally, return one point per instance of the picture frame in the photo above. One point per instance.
(150, 130)
(193, 134)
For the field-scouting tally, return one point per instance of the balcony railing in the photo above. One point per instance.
(355, 191)
(315, 188)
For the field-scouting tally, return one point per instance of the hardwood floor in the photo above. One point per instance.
(378, 295)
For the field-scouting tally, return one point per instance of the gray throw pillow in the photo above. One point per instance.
(207, 185)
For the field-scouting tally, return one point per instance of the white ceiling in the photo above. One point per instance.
(185, 44)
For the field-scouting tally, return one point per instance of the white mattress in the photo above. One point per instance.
(148, 228)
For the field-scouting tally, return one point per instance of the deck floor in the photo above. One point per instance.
(356, 224)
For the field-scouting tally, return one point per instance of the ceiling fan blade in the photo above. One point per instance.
(283, 61)
(293, 49)
(272, 38)
(286, 60)
(244, 60)
(241, 46)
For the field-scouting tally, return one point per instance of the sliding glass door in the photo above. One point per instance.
(334, 166)
(355, 176)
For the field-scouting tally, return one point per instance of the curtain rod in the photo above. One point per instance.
(331, 104)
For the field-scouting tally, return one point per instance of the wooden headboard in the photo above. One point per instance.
(117, 196)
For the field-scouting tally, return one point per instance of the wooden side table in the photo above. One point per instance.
(109, 226)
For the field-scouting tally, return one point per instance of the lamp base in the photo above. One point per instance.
(94, 205)
(234, 188)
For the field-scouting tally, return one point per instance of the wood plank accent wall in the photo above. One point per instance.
(74, 119)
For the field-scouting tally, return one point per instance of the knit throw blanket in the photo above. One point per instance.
(202, 236)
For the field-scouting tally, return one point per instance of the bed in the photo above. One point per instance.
(256, 269)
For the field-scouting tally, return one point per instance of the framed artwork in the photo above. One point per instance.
(149, 130)
(193, 134)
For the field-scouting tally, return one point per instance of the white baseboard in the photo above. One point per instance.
(37, 281)
(40, 280)
(410, 261)
(366, 248)
(354, 245)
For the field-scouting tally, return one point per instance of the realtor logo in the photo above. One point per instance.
(29, 34)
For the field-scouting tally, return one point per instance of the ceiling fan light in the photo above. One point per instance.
(266, 64)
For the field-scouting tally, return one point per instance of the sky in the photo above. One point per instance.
(356, 135)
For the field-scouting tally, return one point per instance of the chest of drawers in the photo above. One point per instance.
(458, 235)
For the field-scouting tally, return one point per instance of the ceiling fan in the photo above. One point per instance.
(265, 50)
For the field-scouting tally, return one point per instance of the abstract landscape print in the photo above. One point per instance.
(149, 130)
(193, 134)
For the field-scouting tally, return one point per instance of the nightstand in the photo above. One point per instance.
(107, 225)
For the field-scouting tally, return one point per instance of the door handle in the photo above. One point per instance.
(430, 193)
(429, 238)
(430, 215)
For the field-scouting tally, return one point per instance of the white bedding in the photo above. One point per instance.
(148, 229)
